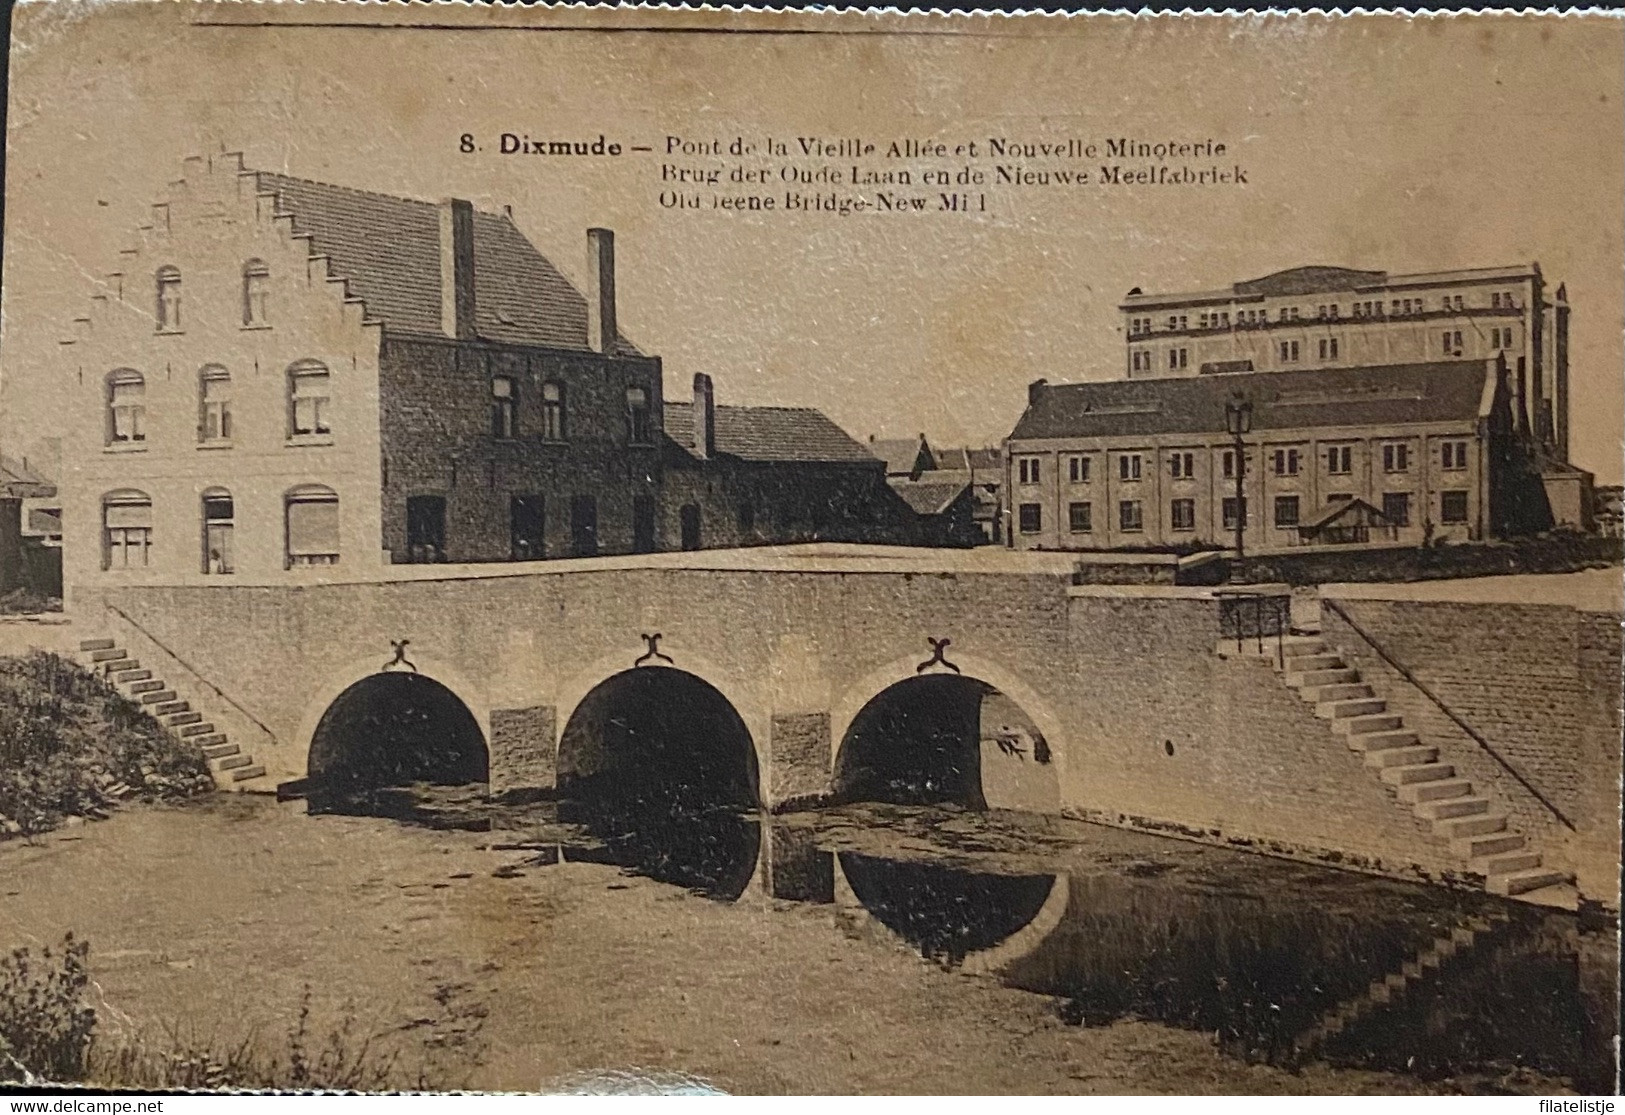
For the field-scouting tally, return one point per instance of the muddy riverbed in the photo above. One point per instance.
(864, 950)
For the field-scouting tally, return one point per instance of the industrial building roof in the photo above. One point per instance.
(1394, 394)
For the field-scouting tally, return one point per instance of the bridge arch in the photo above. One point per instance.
(355, 677)
(855, 710)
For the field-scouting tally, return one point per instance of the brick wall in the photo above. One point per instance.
(1539, 683)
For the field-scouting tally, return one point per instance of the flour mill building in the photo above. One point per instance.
(286, 375)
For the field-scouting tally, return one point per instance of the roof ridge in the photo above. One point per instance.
(371, 193)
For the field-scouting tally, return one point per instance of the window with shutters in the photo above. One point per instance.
(126, 408)
(126, 530)
(312, 526)
(214, 405)
(310, 401)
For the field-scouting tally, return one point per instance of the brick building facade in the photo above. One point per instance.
(1398, 454)
(285, 375)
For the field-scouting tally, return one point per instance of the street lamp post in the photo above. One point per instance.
(1238, 418)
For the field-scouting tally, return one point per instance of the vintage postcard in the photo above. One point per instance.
(609, 550)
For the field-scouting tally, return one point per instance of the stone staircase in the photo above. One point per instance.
(1459, 812)
(1397, 984)
(232, 767)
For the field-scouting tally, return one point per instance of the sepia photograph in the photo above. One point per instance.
(629, 551)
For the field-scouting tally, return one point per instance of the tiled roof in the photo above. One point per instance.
(769, 434)
(1393, 394)
(931, 494)
(985, 460)
(18, 481)
(900, 454)
(388, 248)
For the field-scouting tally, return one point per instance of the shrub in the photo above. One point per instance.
(45, 1026)
(70, 744)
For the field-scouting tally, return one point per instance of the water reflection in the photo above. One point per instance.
(1433, 984)
(709, 848)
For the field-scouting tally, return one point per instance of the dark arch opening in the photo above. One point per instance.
(917, 742)
(660, 768)
(393, 730)
(944, 912)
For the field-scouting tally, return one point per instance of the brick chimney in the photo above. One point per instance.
(705, 417)
(457, 269)
(601, 326)
(1033, 390)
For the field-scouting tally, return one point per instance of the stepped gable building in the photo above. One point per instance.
(1396, 454)
(1338, 317)
(285, 375)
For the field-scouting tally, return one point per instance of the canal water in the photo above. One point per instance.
(1280, 962)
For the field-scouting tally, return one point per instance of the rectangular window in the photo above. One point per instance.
(311, 392)
(1328, 348)
(1454, 455)
(1340, 460)
(583, 526)
(1182, 466)
(1396, 508)
(218, 513)
(426, 529)
(215, 420)
(552, 412)
(1286, 462)
(1286, 511)
(313, 530)
(1289, 352)
(127, 409)
(127, 533)
(504, 408)
(1080, 518)
(1228, 511)
(637, 416)
(1130, 517)
(1339, 497)
(1396, 457)
(1027, 469)
(1453, 507)
(1182, 514)
(1128, 466)
(1078, 469)
(1031, 516)
(1452, 342)
(1178, 358)
(643, 523)
(527, 527)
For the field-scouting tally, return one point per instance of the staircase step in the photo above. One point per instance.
(176, 719)
(209, 741)
(95, 644)
(156, 696)
(1376, 722)
(1380, 741)
(1302, 678)
(1304, 662)
(125, 677)
(169, 708)
(1296, 646)
(1505, 863)
(243, 774)
(108, 654)
(1401, 757)
(1437, 790)
(146, 685)
(1472, 847)
(1521, 882)
(1481, 825)
(1419, 772)
(1452, 807)
(189, 730)
(1344, 692)
(118, 666)
(233, 762)
(219, 750)
(1359, 706)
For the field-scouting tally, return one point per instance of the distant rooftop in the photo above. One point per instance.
(769, 434)
(1321, 279)
(19, 481)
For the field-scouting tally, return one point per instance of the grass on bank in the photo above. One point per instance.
(72, 745)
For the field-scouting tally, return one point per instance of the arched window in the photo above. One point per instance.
(504, 407)
(214, 404)
(312, 513)
(126, 529)
(126, 407)
(310, 399)
(256, 292)
(169, 300)
(219, 517)
(552, 411)
(637, 416)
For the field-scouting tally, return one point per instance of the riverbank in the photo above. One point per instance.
(495, 972)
